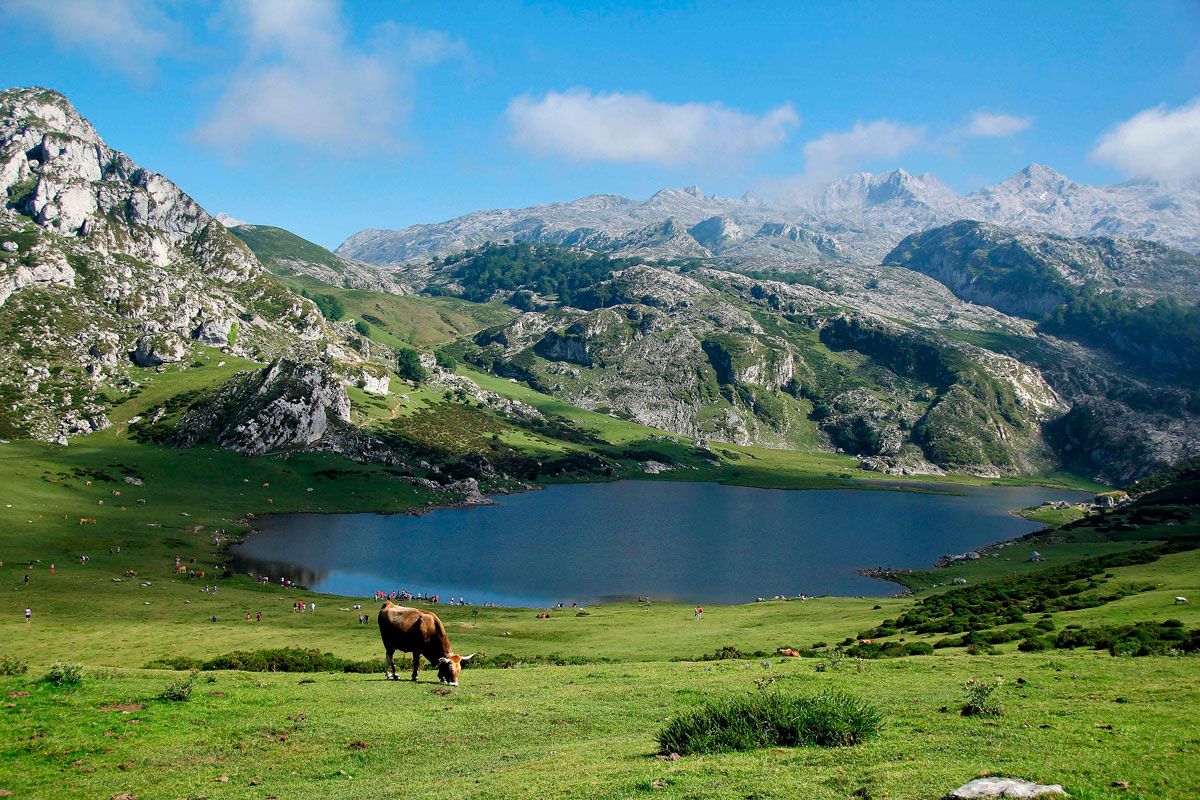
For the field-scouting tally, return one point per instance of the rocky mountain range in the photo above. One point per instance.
(963, 345)
(857, 219)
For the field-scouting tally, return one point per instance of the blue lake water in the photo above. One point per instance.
(691, 542)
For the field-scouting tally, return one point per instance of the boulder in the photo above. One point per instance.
(1004, 787)
(151, 351)
(214, 332)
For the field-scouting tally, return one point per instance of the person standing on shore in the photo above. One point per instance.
(699, 612)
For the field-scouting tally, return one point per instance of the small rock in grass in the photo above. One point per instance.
(982, 788)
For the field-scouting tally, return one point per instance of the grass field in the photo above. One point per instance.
(1082, 718)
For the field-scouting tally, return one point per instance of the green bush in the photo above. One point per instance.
(1033, 645)
(11, 665)
(363, 328)
(179, 691)
(770, 719)
(981, 697)
(331, 306)
(408, 366)
(64, 673)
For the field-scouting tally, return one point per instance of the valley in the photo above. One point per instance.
(887, 346)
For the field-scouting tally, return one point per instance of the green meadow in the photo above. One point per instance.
(1103, 726)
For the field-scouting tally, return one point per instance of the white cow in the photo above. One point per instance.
(1181, 601)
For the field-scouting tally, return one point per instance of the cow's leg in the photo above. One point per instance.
(389, 669)
(416, 664)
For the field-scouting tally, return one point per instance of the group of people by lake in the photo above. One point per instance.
(428, 597)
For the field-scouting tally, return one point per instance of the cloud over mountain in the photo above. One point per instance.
(623, 127)
(1160, 143)
(995, 125)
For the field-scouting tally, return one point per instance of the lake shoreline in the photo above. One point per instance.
(791, 557)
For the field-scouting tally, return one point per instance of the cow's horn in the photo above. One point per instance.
(443, 660)
(468, 658)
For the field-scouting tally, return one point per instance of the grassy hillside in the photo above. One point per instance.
(274, 247)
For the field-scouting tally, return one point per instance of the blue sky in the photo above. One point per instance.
(325, 118)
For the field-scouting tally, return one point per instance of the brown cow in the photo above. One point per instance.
(413, 630)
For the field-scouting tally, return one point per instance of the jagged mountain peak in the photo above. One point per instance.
(668, 192)
(44, 109)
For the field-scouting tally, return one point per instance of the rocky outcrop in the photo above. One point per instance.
(151, 351)
(287, 405)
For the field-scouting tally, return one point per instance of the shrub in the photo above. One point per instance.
(10, 665)
(1033, 645)
(408, 365)
(363, 328)
(64, 673)
(770, 719)
(444, 359)
(981, 697)
(830, 660)
(179, 691)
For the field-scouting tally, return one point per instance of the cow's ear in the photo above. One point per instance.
(443, 660)
(468, 658)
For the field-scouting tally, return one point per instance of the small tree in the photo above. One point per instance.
(408, 366)
(363, 328)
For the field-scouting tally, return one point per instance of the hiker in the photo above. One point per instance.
(247, 616)
(699, 612)
(28, 614)
(259, 617)
(51, 569)
(312, 608)
(26, 578)
(214, 618)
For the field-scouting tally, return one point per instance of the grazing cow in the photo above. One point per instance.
(787, 651)
(1181, 601)
(413, 630)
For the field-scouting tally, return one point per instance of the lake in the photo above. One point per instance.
(691, 542)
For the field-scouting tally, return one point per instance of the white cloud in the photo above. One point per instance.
(838, 152)
(1159, 143)
(125, 35)
(633, 127)
(995, 125)
(303, 81)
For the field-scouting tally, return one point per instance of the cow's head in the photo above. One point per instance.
(448, 667)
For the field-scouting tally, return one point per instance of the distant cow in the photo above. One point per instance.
(787, 651)
(412, 630)
(1181, 601)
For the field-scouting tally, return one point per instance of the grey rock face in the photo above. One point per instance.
(289, 404)
(151, 351)
(113, 268)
